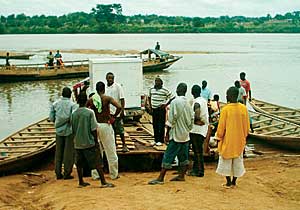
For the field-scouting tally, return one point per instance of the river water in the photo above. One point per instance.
(271, 62)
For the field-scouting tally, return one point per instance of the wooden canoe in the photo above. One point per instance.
(32, 72)
(285, 113)
(18, 56)
(275, 131)
(27, 147)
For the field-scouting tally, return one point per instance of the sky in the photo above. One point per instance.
(189, 8)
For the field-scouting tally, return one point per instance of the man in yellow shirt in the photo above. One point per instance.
(232, 132)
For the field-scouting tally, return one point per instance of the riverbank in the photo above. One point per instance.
(271, 182)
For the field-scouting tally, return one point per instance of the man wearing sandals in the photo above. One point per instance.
(84, 127)
(179, 124)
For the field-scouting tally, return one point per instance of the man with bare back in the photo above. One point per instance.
(100, 104)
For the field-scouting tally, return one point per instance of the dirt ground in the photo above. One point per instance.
(269, 183)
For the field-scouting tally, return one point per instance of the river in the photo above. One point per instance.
(271, 62)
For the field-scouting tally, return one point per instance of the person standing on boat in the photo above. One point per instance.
(100, 104)
(231, 135)
(205, 91)
(115, 91)
(84, 126)
(50, 58)
(60, 114)
(7, 64)
(159, 98)
(245, 84)
(58, 58)
(179, 124)
(157, 47)
(199, 131)
(242, 97)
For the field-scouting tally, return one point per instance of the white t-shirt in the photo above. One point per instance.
(201, 129)
(116, 92)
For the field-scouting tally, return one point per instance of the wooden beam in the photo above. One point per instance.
(280, 131)
(24, 146)
(268, 126)
(32, 137)
(27, 141)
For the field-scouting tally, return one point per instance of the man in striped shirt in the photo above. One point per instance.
(159, 98)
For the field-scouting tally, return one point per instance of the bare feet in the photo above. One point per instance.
(125, 149)
(107, 185)
(177, 178)
(155, 182)
(84, 184)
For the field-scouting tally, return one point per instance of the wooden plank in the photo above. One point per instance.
(32, 137)
(37, 132)
(292, 116)
(282, 112)
(44, 127)
(27, 141)
(143, 142)
(18, 151)
(262, 121)
(268, 126)
(24, 146)
(279, 131)
(126, 142)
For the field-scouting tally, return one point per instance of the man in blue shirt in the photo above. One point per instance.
(205, 92)
(60, 113)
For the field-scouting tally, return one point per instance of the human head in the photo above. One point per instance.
(158, 83)
(7, 53)
(91, 95)
(216, 97)
(204, 84)
(82, 98)
(110, 78)
(242, 75)
(196, 91)
(57, 51)
(232, 94)
(100, 87)
(66, 92)
(237, 84)
(50, 53)
(181, 89)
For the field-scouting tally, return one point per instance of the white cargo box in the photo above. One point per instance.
(128, 73)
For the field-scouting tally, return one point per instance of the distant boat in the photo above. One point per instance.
(20, 57)
(32, 72)
(157, 60)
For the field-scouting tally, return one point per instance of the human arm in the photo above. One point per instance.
(117, 105)
(52, 113)
(250, 98)
(123, 107)
(221, 126)
(197, 118)
(167, 136)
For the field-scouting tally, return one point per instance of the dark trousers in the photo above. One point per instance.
(159, 121)
(197, 147)
(64, 154)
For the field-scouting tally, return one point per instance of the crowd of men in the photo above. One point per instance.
(91, 129)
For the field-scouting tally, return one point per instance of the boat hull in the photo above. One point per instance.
(159, 66)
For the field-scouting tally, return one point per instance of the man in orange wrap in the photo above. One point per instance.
(231, 135)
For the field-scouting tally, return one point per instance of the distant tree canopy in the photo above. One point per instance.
(108, 18)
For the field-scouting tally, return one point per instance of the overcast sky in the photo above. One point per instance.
(190, 8)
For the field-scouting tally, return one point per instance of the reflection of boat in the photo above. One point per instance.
(30, 72)
(157, 60)
(20, 57)
(26, 148)
(288, 114)
(275, 131)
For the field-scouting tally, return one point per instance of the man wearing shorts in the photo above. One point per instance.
(179, 124)
(231, 135)
(84, 127)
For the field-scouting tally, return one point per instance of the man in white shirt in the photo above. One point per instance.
(115, 91)
(199, 131)
(179, 124)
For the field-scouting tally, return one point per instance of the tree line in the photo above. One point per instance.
(109, 19)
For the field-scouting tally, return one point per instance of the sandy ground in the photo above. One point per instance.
(270, 183)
